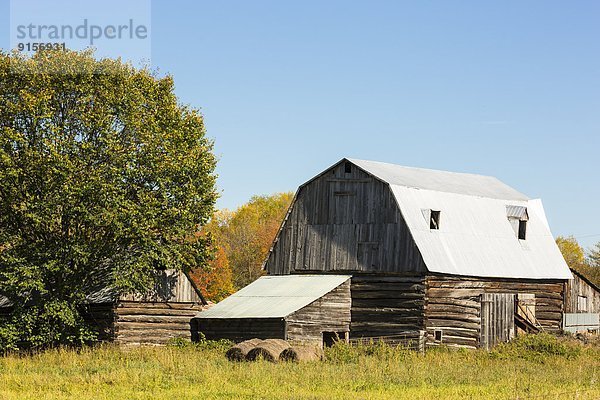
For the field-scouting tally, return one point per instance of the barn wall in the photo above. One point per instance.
(238, 329)
(387, 307)
(453, 304)
(152, 323)
(330, 313)
(579, 287)
(173, 286)
(344, 222)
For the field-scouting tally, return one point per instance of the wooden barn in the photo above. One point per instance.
(304, 308)
(154, 318)
(582, 305)
(464, 258)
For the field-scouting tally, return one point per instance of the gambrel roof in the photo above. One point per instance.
(475, 236)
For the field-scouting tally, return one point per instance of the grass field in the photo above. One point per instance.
(533, 368)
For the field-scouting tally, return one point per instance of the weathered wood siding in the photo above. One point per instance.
(344, 222)
(497, 319)
(387, 307)
(173, 286)
(453, 305)
(330, 313)
(238, 329)
(580, 287)
(152, 323)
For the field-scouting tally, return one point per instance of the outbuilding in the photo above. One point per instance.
(582, 305)
(301, 308)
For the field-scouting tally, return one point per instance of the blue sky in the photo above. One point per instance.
(510, 89)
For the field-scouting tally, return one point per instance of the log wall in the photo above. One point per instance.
(152, 323)
(453, 305)
(390, 308)
(330, 313)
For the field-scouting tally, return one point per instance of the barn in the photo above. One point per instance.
(464, 259)
(582, 305)
(153, 318)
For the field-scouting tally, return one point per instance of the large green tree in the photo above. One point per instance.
(104, 177)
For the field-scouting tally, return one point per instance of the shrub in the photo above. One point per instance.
(536, 346)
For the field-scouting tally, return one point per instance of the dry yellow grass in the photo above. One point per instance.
(368, 372)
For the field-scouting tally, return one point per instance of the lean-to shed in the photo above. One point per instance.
(464, 257)
(304, 308)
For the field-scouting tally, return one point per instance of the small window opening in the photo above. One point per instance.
(437, 335)
(582, 304)
(348, 167)
(522, 229)
(434, 220)
(331, 338)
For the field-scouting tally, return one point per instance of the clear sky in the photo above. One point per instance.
(510, 89)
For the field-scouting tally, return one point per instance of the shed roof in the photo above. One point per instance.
(275, 296)
(475, 237)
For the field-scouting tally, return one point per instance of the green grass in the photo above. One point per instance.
(531, 368)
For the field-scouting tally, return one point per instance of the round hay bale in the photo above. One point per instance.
(301, 353)
(268, 350)
(240, 350)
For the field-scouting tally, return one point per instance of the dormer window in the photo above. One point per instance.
(522, 229)
(518, 217)
(434, 220)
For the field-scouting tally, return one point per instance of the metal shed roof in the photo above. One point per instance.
(475, 237)
(274, 296)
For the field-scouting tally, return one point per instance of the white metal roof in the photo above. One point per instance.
(475, 237)
(440, 181)
(274, 296)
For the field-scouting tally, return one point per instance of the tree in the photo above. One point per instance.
(216, 281)
(572, 252)
(247, 233)
(594, 256)
(103, 176)
(575, 257)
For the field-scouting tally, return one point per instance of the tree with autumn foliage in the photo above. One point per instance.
(576, 259)
(243, 238)
(215, 281)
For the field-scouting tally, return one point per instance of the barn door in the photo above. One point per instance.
(497, 319)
